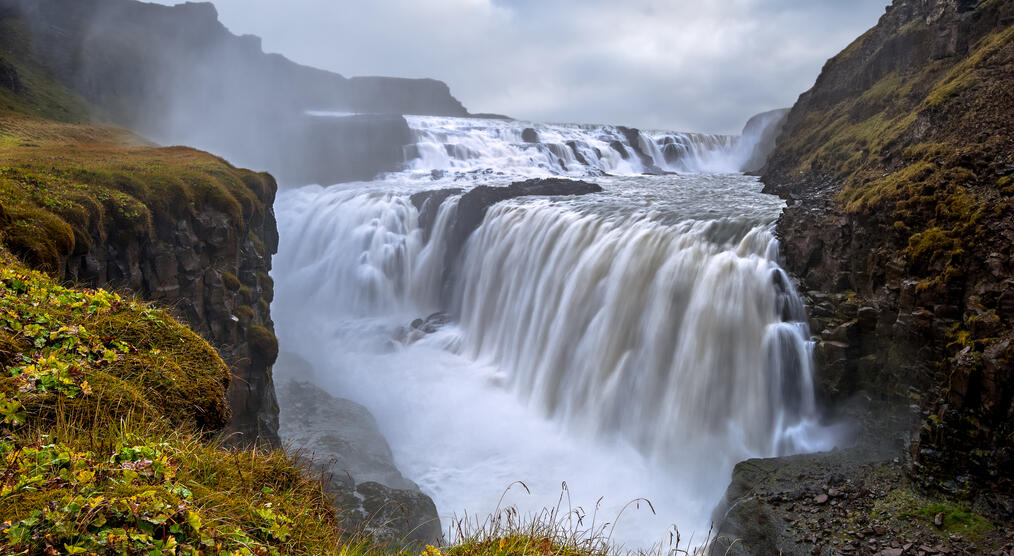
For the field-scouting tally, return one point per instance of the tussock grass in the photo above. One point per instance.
(563, 530)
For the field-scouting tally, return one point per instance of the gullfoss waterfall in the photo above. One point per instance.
(632, 343)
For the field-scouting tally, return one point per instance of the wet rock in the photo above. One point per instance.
(401, 517)
(422, 327)
(339, 440)
(618, 147)
(473, 205)
(428, 204)
(9, 78)
(529, 135)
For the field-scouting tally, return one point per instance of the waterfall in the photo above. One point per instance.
(474, 145)
(654, 333)
(647, 328)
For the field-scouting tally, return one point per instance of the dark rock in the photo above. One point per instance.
(473, 205)
(618, 147)
(529, 135)
(633, 137)
(9, 78)
(338, 432)
(339, 439)
(428, 204)
(577, 153)
(927, 327)
(180, 264)
(403, 518)
(763, 130)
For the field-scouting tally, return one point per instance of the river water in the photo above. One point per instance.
(634, 343)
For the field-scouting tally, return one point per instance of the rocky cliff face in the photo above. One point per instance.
(177, 76)
(211, 268)
(175, 226)
(897, 169)
(763, 129)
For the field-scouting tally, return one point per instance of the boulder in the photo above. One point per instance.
(339, 440)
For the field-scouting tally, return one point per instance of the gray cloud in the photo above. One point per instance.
(673, 64)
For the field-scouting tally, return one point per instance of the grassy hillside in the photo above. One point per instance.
(62, 185)
(106, 406)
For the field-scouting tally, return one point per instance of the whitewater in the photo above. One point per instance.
(634, 343)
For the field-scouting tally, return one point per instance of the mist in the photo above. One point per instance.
(654, 64)
(178, 77)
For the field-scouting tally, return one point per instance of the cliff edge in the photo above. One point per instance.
(898, 171)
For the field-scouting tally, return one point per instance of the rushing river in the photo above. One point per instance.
(633, 343)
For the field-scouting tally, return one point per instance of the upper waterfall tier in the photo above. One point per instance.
(482, 146)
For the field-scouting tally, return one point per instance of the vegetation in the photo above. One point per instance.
(105, 408)
(91, 385)
(63, 185)
(921, 512)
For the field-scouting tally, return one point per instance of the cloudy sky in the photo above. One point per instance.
(674, 64)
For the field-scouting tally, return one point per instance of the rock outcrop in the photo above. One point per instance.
(339, 439)
(176, 75)
(762, 130)
(897, 170)
(473, 205)
(212, 269)
(175, 226)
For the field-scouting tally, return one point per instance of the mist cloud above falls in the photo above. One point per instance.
(675, 64)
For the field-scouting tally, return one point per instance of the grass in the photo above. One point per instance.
(906, 505)
(63, 186)
(563, 530)
(106, 410)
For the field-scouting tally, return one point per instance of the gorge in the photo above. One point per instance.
(465, 313)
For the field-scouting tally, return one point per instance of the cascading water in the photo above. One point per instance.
(634, 343)
(466, 145)
(647, 331)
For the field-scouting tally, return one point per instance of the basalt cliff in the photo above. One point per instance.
(898, 171)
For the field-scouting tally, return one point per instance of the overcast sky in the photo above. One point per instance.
(687, 65)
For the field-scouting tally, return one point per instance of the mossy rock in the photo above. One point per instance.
(263, 342)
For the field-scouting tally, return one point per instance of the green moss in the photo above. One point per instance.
(245, 315)
(99, 357)
(91, 382)
(965, 75)
(956, 519)
(889, 186)
(906, 503)
(263, 342)
(925, 247)
(231, 281)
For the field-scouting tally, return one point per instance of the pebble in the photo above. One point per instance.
(821, 499)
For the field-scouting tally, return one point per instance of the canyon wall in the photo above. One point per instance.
(897, 169)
